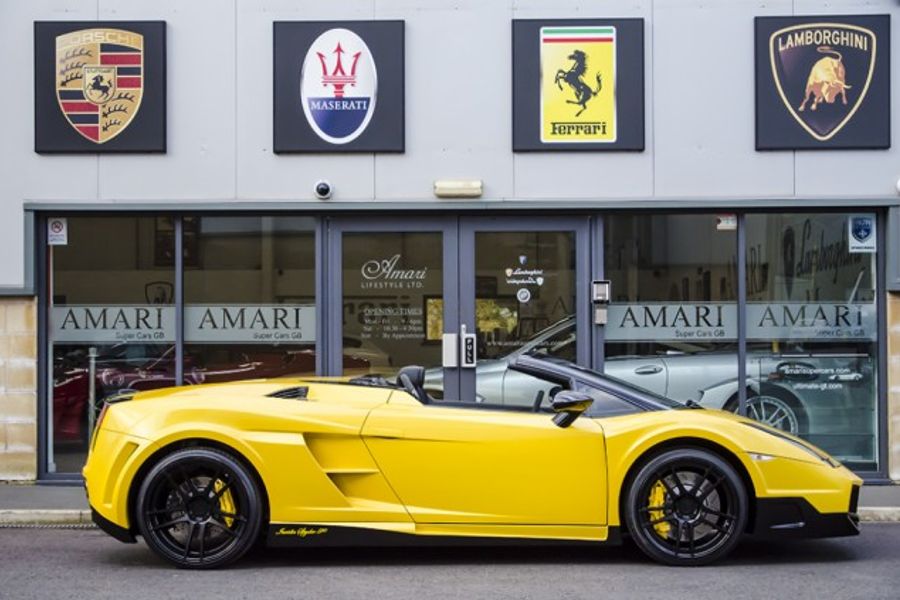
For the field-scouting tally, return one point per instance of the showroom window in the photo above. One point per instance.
(111, 323)
(672, 325)
(812, 329)
(249, 298)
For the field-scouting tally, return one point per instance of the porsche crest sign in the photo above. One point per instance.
(100, 87)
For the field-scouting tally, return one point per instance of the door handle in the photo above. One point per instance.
(648, 370)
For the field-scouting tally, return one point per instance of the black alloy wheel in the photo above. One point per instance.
(199, 508)
(686, 507)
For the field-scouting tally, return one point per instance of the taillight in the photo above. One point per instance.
(114, 399)
(98, 424)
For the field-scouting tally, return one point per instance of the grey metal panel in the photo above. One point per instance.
(544, 204)
(704, 102)
(22, 172)
(598, 271)
(742, 312)
(892, 247)
(258, 172)
(179, 300)
(28, 251)
(458, 87)
(575, 175)
(835, 172)
(201, 96)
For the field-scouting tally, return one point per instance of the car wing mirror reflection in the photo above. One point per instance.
(568, 406)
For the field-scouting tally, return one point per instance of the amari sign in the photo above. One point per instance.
(250, 324)
(147, 324)
(711, 322)
(245, 324)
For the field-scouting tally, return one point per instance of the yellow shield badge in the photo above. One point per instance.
(99, 80)
(578, 84)
(822, 72)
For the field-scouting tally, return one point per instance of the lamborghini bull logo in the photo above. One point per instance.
(827, 80)
(806, 79)
(574, 77)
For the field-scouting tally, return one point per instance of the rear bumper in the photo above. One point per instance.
(796, 518)
(116, 531)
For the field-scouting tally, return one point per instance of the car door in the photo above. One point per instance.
(467, 463)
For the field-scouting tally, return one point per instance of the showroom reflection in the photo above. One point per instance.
(249, 310)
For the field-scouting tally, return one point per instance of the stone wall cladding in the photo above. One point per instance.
(893, 378)
(18, 389)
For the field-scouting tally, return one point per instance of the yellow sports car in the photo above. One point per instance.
(202, 473)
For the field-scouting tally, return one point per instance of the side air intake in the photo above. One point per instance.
(291, 393)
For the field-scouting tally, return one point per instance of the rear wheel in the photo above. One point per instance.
(686, 507)
(199, 508)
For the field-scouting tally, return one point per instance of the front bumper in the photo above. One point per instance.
(796, 518)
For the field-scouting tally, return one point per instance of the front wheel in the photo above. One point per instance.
(199, 508)
(686, 507)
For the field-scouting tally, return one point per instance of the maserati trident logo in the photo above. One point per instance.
(338, 86)
(99, 80)
(822, 72)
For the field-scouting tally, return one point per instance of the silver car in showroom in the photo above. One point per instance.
(799, 392)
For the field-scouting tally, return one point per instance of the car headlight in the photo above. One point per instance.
(811, 450)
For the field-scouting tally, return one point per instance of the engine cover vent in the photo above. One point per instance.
(291, 393)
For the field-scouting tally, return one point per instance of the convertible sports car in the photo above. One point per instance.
(202, 473)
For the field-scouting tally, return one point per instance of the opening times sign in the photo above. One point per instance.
(149, 324)
(706, 322)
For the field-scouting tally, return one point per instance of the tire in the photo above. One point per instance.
(199, 508)
(775, 407)
(700, 504)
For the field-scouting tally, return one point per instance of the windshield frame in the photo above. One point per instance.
(540, 364)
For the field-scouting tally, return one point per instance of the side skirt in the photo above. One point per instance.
(293, 535)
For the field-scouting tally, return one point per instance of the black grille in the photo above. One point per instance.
(291, 393)
(854, 499)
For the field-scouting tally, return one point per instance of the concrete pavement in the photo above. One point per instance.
(47, 564)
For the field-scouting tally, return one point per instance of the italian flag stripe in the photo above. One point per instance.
(570, 31)
(560, 40)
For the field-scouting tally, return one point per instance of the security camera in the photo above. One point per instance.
(323, 190)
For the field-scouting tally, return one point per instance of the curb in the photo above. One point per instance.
(25, 517)
(880, 514)
(45, 517)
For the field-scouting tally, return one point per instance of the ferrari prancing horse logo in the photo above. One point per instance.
(99, 80)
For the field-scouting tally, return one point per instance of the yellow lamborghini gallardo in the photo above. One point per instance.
(202, 473)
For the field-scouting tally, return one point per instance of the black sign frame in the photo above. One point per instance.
(385, 132)
(146, 133)
(777, 127)
(630, 96)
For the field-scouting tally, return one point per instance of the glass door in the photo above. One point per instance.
(395, 283)
(523, 287)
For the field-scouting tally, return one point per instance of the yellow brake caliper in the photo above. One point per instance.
(658, 498)
(226, 502)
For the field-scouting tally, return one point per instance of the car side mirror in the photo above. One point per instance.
(568, 406)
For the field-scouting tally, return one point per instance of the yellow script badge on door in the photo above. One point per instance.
(578, 84)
